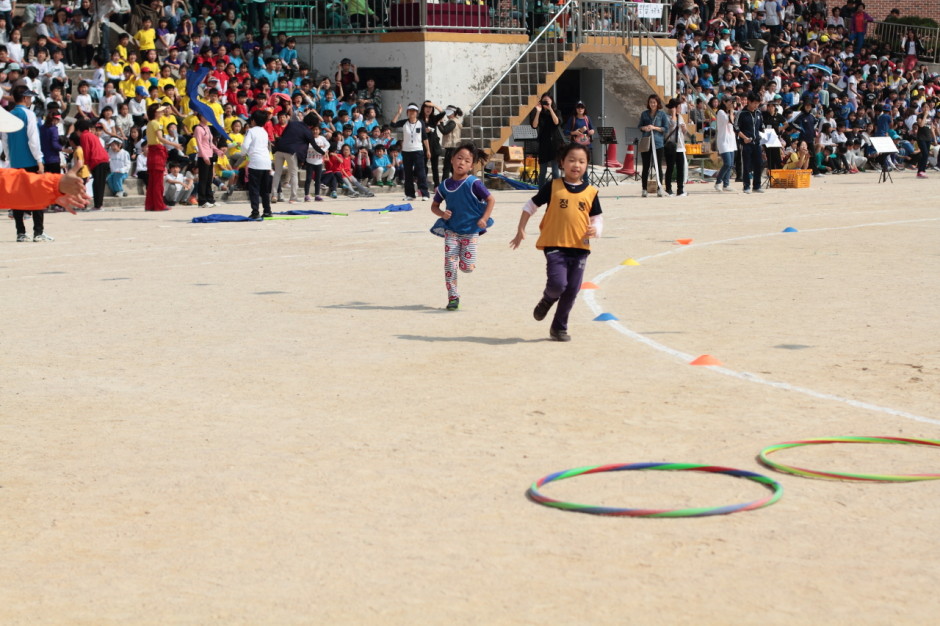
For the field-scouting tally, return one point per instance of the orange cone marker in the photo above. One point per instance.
(683, 242)
(588, 285)
(706, 359)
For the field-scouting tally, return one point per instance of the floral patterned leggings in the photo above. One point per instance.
(460, 252)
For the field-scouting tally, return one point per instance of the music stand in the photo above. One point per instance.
(608, 137)
(884, 146)
(528, 137)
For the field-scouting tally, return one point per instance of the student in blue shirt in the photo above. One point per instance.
(289, 54)
(269, 72)
(383, 172)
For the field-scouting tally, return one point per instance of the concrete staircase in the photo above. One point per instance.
(514, 97)
(639, 63)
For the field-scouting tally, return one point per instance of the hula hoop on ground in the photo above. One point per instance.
(878, 478)
(775, 488)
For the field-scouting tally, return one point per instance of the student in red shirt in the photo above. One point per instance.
(97, 160)
(332, 170)
(282, 119)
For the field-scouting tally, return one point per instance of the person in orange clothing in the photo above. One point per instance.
(26, 191)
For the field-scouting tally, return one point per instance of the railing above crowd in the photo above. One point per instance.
(300, 18)
(893, 34)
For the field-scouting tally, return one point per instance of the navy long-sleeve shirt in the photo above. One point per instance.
(294, 139)
(49, 143)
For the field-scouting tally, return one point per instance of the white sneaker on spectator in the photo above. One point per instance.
(682, 195)
(644, 194)
(727, 189)
(717, 186)
(759, 190)
(43, 237)
(747, 191)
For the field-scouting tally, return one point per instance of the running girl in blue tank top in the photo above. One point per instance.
(467, 216)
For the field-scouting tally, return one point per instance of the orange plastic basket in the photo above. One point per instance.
(693, 148)
(790, 179)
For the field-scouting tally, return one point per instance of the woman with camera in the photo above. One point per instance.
(545, 119)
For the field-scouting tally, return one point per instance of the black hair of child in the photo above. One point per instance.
(478, 155)
(568, 147)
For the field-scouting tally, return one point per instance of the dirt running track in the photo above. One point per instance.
(278, 423)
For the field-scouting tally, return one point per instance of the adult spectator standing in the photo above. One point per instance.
(925, 139)
(291, 147)
(414, 150)
(156, 157)
(806, 123)
(750, 127)
(860, 20)
(674, 149)
(430, 120)
(256, 14)
(725, 144)
(206, 154)
(23, 150)
(773, 16)
(545, 119)
(6, 12)
(653, 124)
(911, 47)
(97, 161)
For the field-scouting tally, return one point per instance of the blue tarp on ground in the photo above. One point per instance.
(392, 208)
(222, 217)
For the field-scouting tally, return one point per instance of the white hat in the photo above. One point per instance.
(9, 123)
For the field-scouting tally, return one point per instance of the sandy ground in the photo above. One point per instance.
(277, 423)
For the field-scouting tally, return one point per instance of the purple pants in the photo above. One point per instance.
(565, 269)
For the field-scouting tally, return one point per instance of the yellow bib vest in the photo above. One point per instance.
(567, 218)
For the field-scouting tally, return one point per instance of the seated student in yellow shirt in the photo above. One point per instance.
(132, 61)
(121, 48)
(150, 61)
(235, 134)
(191, 146)
(146, 37)
(128, 86)
(114, 69)
(165, 79)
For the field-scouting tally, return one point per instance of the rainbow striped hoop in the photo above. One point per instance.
(878, 478)
(775, 488)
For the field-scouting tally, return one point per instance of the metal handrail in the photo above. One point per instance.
(660, 57)
(892, 33)
(549, 27)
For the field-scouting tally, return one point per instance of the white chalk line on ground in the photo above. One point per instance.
(591, 301)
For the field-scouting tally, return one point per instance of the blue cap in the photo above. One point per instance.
(140, 91)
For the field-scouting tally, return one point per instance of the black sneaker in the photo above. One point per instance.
(254, 216)
(559, 335)
(542, 309)
(453, 304)
(267, 214)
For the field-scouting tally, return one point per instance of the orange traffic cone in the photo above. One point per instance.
(629, 161)
(611, 160)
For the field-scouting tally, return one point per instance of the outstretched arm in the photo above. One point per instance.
(520, 230)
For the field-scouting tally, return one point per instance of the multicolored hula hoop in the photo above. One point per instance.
(775, 488)
(878, 478)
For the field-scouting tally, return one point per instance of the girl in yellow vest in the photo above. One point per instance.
(572, 217)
